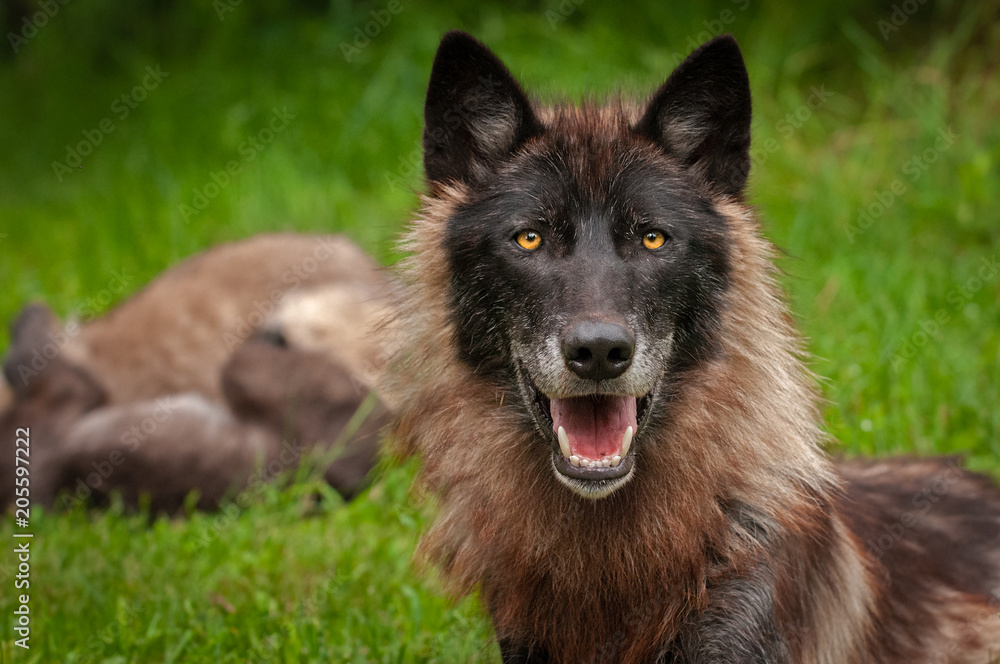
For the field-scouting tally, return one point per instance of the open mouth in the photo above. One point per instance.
(593, 436)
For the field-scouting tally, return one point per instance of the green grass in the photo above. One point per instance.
(287, 581)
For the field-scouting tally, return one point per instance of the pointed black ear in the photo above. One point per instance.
(475, 114)
(701, 115)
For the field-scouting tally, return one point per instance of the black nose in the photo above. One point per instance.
(598, 351)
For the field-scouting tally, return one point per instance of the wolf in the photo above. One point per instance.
(613, 409)
(283, 404)
(177, 333)
(221, 363)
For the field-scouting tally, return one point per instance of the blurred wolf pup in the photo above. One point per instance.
(224, 362)
(611, 403)
(284, 405)
(176, 334)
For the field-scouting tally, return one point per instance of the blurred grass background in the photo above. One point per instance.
(900, 307)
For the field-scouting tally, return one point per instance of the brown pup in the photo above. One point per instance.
(47, 404)
(175, 334)
(602, 379)
(282, 405)
(138, 393)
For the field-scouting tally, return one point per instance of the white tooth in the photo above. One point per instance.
(592, 464)
(626, 441)
(575, 460)
(563, 442)
(606, 463)
(615, 460)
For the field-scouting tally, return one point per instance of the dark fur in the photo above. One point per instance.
(283, 404)
(49, 403)
(735, 539)
(305, 397)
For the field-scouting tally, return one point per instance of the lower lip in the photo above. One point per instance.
(564, 467)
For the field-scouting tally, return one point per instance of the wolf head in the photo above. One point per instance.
(587, 258)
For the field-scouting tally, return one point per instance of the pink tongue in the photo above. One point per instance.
(594, 424)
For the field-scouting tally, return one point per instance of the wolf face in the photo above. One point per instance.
(588, 259)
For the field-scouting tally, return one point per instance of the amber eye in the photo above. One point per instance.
(654, 239)
(529, 240)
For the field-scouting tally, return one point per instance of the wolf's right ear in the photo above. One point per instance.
(33, 328)
(701, 115)
(475, 115)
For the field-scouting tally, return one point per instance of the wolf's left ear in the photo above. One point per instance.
(475, 115)
(701, 115)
